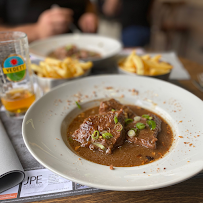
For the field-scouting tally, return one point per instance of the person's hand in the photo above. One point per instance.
(88, 22)
(53, 21)
(110, 7)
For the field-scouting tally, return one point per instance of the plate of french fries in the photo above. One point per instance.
(52, 72)
(145, 65)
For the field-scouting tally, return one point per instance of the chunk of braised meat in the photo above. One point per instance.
(63, 52)
(145, 137)
(60, 53)
(102, 132)
(112, 104)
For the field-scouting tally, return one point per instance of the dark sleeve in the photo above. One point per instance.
(2, 10)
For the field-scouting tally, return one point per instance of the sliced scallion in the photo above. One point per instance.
(137, 118)
(99, 145)
(70, 139)
(140, 126)
(147, 117)
(118, 126)
(135, 129)
(113, 110)
(95, 135)
(78, 105)
(115, 119)
(131, 133)
(128, 121)
(68, 47)
(152, 124)
(107, 135)
(104, 132)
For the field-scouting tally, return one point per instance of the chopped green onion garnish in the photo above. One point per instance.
(70, 139)
(135, 129)
(113, 110)
(115, 119)
(104, 132)
(95, 135)
(140, 126)
(107, 135)
(78, 105)
(147, 116)
(137, 118)
(128, 120)
(118, 126)
(99, 145)
(131, 133)
(152, 124)
(68, 47)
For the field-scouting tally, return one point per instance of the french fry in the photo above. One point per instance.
(52, 61)
(145, 65)
(40, 75)
(79, 71)
(156, 58)
(67, 68)
(130, 69)
(146, 57)
(37, 69)
(139, 65)
(160, 65)
(129, 61)
(67, 72)
(86, 66)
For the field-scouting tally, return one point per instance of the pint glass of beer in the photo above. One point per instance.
(16, 85)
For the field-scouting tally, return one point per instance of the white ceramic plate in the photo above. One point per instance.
(107, 47)
(45, 124)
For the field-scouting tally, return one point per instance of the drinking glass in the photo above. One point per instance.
(16, 85)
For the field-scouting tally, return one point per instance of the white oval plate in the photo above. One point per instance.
(106, 46)
(45, 124)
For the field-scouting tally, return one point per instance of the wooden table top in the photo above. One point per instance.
(189, 191)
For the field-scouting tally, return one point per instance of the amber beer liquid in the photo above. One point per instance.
(18, 100)
(17, 92)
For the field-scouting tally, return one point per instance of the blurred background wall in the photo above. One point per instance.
(176, 25)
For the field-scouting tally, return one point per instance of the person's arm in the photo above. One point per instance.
(30, 30)
(50, 22)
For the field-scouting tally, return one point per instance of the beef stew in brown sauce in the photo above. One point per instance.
(119, 135)
(74, 52)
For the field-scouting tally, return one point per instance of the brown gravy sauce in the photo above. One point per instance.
(128, 154)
